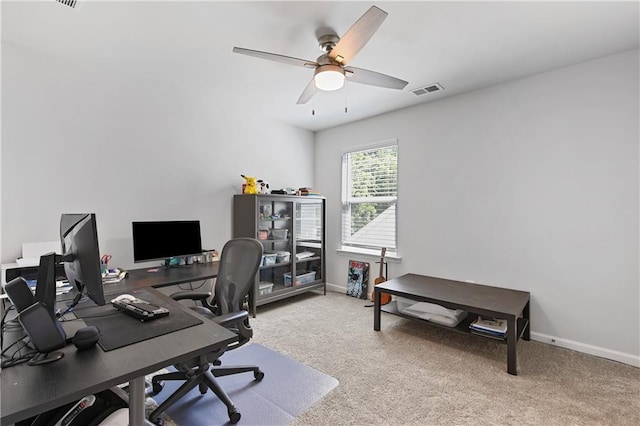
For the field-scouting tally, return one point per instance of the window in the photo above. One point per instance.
(369, 197)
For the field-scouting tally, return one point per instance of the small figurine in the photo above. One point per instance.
(250, 186)
(263, 187)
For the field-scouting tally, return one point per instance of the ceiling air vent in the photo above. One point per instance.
(70, 3)
(435, 87)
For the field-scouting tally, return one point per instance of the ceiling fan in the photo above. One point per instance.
(331, 67)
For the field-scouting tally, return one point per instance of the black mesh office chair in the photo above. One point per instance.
(239, 263)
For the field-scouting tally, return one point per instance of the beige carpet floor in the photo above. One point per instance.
(413, 374)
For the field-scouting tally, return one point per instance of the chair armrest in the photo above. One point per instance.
(231, 318)
(190, 295)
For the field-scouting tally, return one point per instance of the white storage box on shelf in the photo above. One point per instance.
(283, 256)
(431, 312)
(302, 277)
(265, 287)
(269, 259)
(279, 234)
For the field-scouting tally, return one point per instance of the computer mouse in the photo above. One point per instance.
(86, 337)
(124, 297)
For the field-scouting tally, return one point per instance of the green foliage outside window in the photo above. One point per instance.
(373, 174)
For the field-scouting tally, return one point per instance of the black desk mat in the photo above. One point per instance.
(119, 329)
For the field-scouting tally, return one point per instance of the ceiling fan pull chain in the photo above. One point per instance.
(313, 102)
(345, 98)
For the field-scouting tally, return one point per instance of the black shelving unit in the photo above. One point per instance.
(284, 224)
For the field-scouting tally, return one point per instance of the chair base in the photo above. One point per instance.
(204, 379)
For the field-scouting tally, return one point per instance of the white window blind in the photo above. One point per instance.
(369, 197)
(309, 222)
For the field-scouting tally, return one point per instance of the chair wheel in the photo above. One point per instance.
(157, 387)
(258, 375)
(203, 388)
(234, 416)
(159, 422)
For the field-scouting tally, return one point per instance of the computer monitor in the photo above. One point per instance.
(81, 255)
(164, 240)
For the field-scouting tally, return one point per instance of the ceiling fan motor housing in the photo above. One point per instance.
(327, 42)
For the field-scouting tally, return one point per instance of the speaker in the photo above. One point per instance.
(19, 293)
(43, 328)
(86, 337)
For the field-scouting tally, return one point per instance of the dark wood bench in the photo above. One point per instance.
(477, 299)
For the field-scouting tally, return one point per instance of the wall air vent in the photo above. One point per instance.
(435, 87)
(70, 3)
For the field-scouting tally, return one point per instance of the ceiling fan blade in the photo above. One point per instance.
(372, 78)
(307, 93)
(358, 35)
(277, 58)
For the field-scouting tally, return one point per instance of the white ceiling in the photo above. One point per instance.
(461, 45)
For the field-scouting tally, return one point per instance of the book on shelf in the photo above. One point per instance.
(501, 337)
(307, 191)
(304, 255)
(497, 327)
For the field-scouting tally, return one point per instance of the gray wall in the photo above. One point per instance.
(531, 185)
(79, 137)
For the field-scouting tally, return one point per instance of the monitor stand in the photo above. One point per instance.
(168, 265)
(41, 358)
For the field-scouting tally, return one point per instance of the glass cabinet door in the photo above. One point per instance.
(309, 228)
(275, 232)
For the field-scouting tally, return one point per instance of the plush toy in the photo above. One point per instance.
(251, 187)
(263, 186)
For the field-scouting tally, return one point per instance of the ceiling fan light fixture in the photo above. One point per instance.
(329, 77)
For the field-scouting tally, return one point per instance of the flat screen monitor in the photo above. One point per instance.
(81, 254)
(167, 239)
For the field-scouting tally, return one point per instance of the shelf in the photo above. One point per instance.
(303, 220)
(280, 292)
(274, 240)
(463, 327)
(275, 265)
(307, 259)
(310, 244)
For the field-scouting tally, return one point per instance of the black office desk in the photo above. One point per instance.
(141, 278)
(27, 391)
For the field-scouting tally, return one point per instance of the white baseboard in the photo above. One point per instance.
(336, 288)
(625, 358)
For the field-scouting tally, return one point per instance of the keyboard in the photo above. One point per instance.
(140, 309)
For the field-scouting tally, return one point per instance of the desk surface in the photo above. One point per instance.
(141, 278)
(27, 390)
